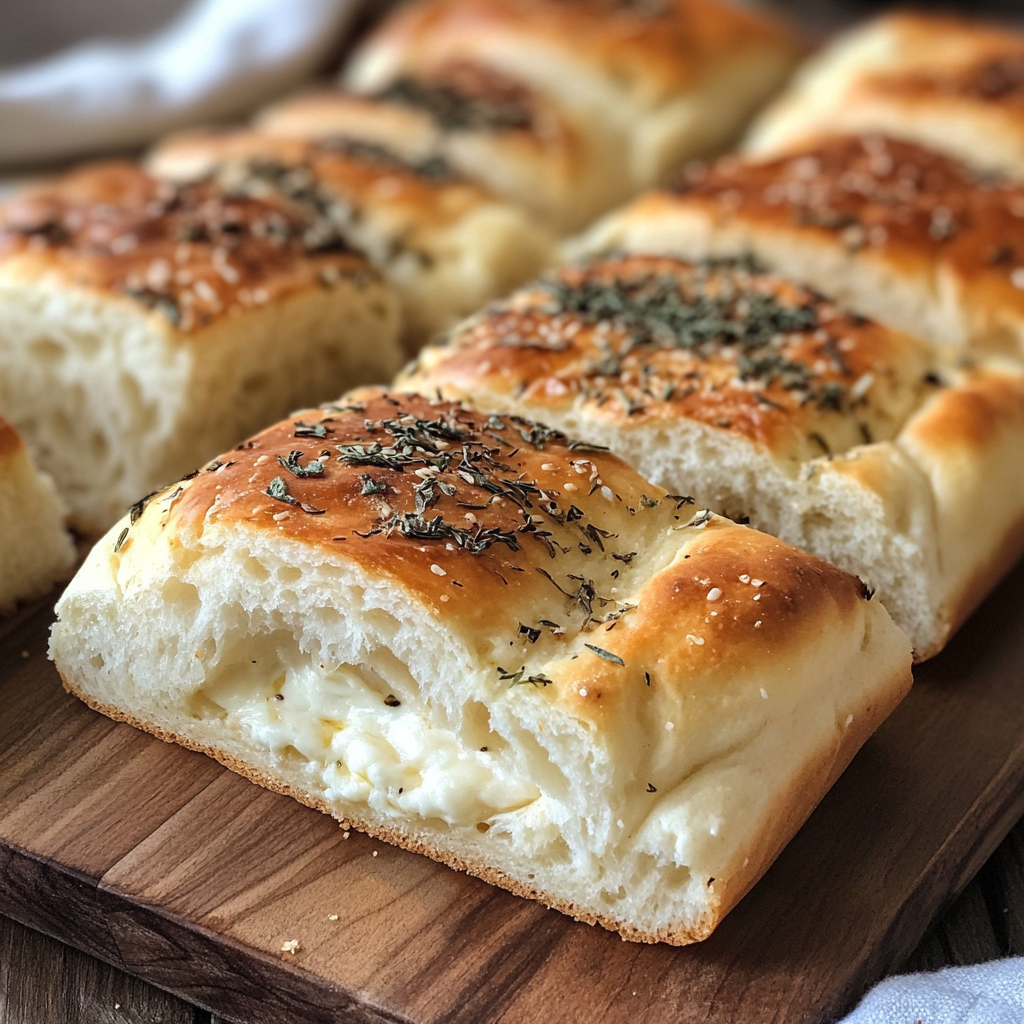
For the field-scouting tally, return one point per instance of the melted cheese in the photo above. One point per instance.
(369, 752)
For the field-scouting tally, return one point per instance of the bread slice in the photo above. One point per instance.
(770, 404)
(481, 641)
(488, 127)
(35, 549)
(443, 244)
(946, 83)
(661, 82)
(145, 327)
(901, 234)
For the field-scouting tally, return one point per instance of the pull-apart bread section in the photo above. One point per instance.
(770, 404)
(946, 83)
(445, 245)
(648, 84)
(146, 326)
(901, 234)
(35, 549)
(484, 125)
(475, 638)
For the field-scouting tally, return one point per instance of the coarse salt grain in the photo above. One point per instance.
(444, 598)
(744, 578)
(757, 583)
(757, 625)
(374, 853)
(757, 597)
(583, 692)
(332, 917)
(669, 726)
(606, 492)
(437, 570)
(290, 946)
(714, 594)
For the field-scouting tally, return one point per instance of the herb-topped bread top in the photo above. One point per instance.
(350, 176)
(637, 339)
(529, 546)
(645, 49)
(190, 253)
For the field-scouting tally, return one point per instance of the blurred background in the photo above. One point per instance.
(80, 77)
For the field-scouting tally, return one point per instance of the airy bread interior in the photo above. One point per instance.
(114, 404)
(35, 549)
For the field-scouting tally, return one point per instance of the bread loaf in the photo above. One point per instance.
(444, 245)
(769, 403)
(649, 84)
(899, 233)
(946, 83)
(144, 326)
(475, 638)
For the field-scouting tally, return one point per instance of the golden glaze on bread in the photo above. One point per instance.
(653, 49)
(772, 404)
(444, 244)
(899, 233)
(648, 84)
(635, 339)
(575, 631)
(191, 253)
(947, 83)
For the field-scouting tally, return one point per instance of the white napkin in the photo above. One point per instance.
(216, 59)
(991, 993)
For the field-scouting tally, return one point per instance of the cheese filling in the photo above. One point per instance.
(368, 748)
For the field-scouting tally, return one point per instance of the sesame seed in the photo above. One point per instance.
(757, 625)
(437, 570)
(757, 597)
(548, 466)
(698, 640)
(764, 693)
(849, 720)
(714, 594)
(606, 493)
(1017, 278)
(569, 486)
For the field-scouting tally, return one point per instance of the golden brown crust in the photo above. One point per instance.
(555, 542)
(10, 439)
(657, 48)
(951, 58)
(883, 198)
(636, 339)
(191, 253)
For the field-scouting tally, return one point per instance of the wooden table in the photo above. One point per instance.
(45, 982)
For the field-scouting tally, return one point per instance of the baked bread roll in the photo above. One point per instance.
(489, 128)
(445, 245)
(666, 81)
(35, 549)
(145, 326)
(768, 403)
(946, 83)
(896, 232)
(478, 640)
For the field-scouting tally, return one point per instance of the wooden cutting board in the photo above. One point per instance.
(172, 868)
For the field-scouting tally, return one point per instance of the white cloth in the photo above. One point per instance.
(991, 993)
(216, 59)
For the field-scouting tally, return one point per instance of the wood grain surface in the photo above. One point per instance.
(162, 863)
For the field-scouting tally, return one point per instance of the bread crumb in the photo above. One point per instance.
(290, 946)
